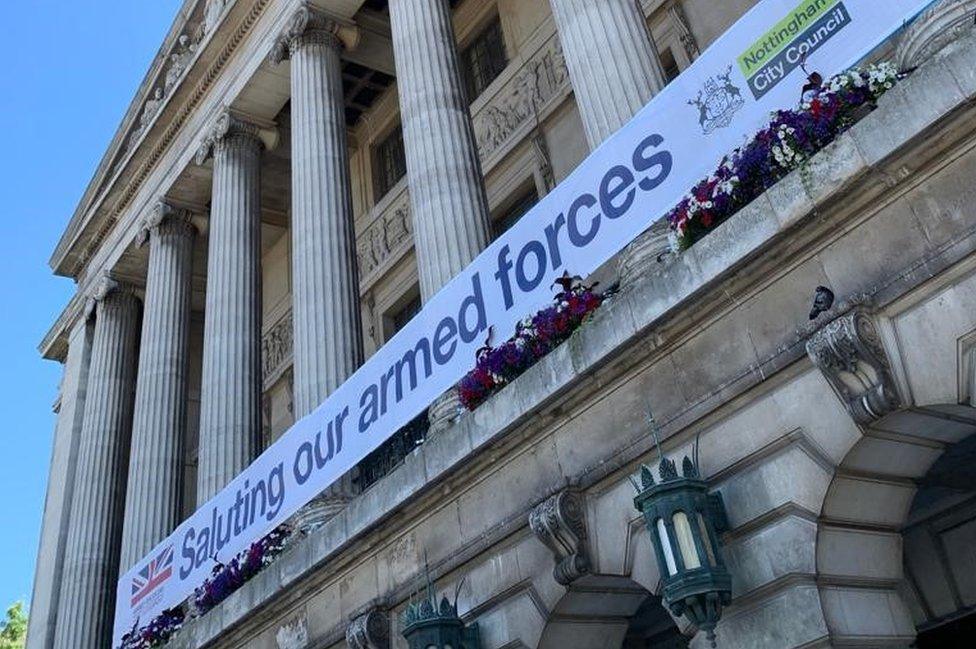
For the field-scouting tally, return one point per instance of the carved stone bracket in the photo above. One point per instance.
(849, 352)
(559, 522)
(369, 631)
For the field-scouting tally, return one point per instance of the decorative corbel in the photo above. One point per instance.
(370, 630)
(851, 355)
(559, 522)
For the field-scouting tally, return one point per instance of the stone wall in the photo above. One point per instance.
(715, 342)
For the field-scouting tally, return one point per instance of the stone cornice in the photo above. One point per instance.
(128, 177)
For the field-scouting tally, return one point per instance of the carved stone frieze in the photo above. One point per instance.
(277, 346)
(171, 129)
(851, 355)
(369, 631)
(539, 81)
(677, 15)
(212, 12)
(179, 61)
(388, 234)
(559, 522)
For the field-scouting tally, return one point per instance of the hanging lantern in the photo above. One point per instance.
(684, 521)
(427, 625)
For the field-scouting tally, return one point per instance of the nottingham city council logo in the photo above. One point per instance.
(718, 102)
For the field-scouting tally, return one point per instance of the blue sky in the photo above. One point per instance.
(70, 70)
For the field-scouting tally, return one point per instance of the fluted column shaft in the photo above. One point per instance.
(325, 289)
(91, 563)
(612, 62)
(615, 70)
(156, 459)
(60, 487)
(230, 400)
(328, 339)
(447, 193)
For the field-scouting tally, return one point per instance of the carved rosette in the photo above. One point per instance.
(559, 522)
(369, 631)
(311, 25)
(229, 129)
(851, 356)
(166, 218)
(934, 29)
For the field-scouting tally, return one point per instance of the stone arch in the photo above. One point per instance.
(859, 546)
(608, 591)
(859, 538)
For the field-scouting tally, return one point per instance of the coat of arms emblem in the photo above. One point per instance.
(718, 102)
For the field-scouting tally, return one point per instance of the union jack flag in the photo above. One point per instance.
(152, 575)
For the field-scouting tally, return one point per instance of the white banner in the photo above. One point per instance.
(630, 181)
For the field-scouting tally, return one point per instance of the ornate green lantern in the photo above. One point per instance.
(684, 521)
(429, 626)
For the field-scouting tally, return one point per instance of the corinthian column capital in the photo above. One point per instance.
(311, 25)
(167, 218)
(104, 289)
(231, 129)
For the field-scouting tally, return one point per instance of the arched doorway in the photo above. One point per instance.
(652, 628)
(897, 532)
(610, 612)
(940, 551)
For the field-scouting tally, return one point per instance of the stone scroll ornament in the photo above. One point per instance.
(849, 352)
(559, 522)
(369, 631)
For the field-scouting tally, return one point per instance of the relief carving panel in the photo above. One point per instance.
(389, 233)
(543, 78)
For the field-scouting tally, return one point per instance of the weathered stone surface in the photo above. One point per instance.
(91, 558)
(154, 490)
(230, 407)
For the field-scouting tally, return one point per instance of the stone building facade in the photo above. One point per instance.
(295, 178)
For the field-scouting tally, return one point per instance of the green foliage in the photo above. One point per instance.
(13, 630)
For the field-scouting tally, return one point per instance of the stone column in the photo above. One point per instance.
(152, 508)
(91, 561)
(230, 400)
(328, 340)
(615, 70)
(60, 487)
(447, 193)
